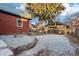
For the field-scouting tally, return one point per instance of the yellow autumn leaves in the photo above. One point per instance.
(45, 10)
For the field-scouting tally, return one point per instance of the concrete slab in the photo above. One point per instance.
(3, 45)
(20, 40)
(6, 52)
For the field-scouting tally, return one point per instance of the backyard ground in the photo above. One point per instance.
(50, 45)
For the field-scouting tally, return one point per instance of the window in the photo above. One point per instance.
(19, 22)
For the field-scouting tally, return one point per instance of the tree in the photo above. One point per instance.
(45, 10)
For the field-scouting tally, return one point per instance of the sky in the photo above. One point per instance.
(71, 8)
(14, 5)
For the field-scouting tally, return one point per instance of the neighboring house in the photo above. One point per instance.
(12, 21)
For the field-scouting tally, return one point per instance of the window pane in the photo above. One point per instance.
(19, 22)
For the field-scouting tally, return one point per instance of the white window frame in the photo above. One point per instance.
(18, 23)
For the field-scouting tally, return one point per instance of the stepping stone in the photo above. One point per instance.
(3, 45)
(6, 52)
